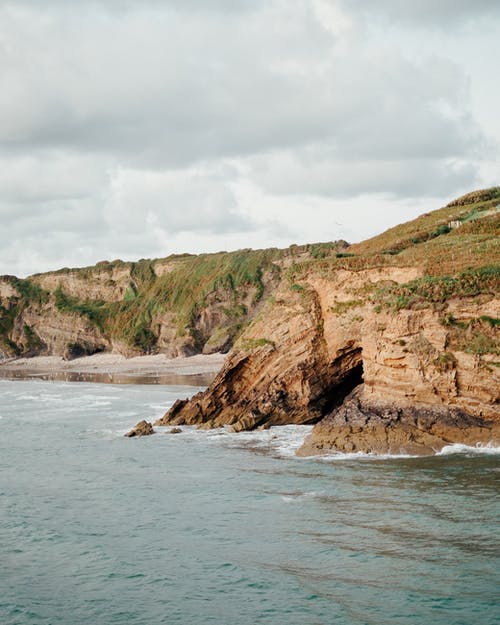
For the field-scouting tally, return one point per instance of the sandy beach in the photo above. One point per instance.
(116, 369)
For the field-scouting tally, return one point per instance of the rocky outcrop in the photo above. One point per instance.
(424, 384)
(143, 428)
(104, 281)
(294, 361)
(179, 306)
(45, 330)
(411, 314)
(361, 425)
(175, 431)
(267, 380)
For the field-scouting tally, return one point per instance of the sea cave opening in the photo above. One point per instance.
(349, 374)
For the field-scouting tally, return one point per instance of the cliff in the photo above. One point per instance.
(388, 346)
(180, 305)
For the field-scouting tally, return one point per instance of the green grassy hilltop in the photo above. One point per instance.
(189, 303)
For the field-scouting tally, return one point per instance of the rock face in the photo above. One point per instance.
(294, 361)
(178, 306)
(412, 315)
(267, 378)
(143, 428)
(318, 339)
(387, 428)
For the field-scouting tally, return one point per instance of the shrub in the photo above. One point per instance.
(445, 362)
(438, 289)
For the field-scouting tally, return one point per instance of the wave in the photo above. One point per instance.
(478, 449)
(301, 496)
(282, 440)
(359, 455)
(447, 450)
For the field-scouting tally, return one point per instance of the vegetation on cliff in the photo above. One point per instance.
(185, 303)
(190, 299)
(25, 294)
(409, 318)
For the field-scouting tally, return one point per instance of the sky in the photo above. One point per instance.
(140, 128)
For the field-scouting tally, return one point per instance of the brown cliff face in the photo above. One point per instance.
(180, 306)
(317, 340)
(52, 332)
(266, 380)
(411, 316)
(104, 282)
(294, 361)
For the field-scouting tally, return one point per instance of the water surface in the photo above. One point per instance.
(211, 527)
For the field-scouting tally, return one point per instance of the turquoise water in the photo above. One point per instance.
(210, 527)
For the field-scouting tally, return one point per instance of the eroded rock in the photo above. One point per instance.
(315, 343)
(359, 425)
(143, 428)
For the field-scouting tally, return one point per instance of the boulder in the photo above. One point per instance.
(143, 428)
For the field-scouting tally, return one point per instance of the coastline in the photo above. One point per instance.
(198, 370)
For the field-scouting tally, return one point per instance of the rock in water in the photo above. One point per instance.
(362, 426)
(143, 428)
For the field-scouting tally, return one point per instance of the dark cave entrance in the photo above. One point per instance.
(348, 373)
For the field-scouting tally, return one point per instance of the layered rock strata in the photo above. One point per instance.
(319, 338)
(179, 306)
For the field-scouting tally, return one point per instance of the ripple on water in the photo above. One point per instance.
(215, 527)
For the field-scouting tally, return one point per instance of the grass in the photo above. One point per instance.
(193, 283)
(33, 342)
(414, 236)
(95, 311)
(474, 336)
(482, 195)
(29, 291)
(492, 321)
(456, 262)
(342, 307)
(250, 344)
(438, 289)
(427, 242)
(28, 294)
(7, 320)
(480, 343)
(445, 362)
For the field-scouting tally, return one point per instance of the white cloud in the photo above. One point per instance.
(438, 13)
(133, 128)
(192, 200)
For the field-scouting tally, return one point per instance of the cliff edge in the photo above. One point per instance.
(179, 306)
(390, 345)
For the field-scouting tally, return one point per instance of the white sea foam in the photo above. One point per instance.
(359, 455)
(456, 448)
(288, 438)
(281, 440)
(459, 448)
(297, 497)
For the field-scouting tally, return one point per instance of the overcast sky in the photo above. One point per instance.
(139, 128)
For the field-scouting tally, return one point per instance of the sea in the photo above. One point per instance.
(232, 529)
